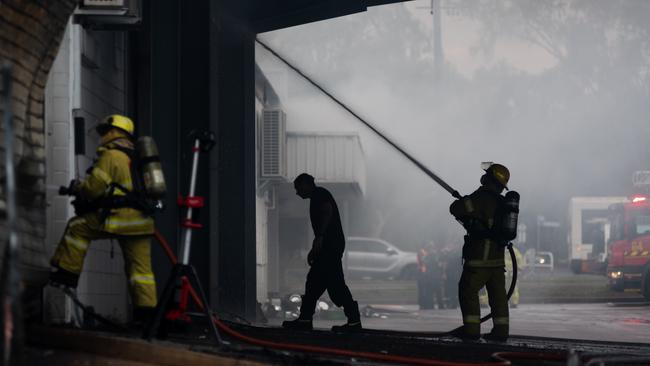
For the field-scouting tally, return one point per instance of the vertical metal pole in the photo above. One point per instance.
(187, 231)
(540, 219)
(10, 285)
(438, 55)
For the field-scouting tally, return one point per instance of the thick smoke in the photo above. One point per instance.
(557, 91)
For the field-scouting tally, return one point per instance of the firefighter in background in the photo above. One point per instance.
(514, 300)
(430, 278)
(106, 213)
(483, 255)
(425, 296)
(434, 271)
(451, 269)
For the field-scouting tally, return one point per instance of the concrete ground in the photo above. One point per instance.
(598, 330)
(555, 304)
(598, 322)
(560, 286)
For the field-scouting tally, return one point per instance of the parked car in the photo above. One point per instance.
(538, 260)
(376, 258)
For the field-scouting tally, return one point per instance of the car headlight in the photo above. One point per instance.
(322, 305)
(615, 275)
(295, 299)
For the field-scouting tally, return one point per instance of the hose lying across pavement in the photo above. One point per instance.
(501, 358)
(397, 147)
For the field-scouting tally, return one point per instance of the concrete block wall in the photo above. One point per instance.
(30, 34)
(59, 166)
(87, 80)
(102, 92)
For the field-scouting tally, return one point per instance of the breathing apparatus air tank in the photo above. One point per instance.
(152, 173)
(510, 215)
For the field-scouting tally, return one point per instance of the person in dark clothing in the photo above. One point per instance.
(430, 278)
(326, 272)
(452, 266)
(434, 267)
(425, 297)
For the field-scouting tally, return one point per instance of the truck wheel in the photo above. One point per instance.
(645, 284)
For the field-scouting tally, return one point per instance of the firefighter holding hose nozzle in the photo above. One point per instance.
(491, 222)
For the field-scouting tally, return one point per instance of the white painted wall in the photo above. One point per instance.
(102, 92)
(87, 80)
(59, 164)
(261, 218)
(262, 252)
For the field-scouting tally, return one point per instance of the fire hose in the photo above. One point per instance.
(502, 358)
(402, 151)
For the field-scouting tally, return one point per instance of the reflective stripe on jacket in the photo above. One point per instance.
(113, 166)
(478, 213)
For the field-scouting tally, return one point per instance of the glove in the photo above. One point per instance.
(71, 189)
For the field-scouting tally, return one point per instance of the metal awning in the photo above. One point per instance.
(334, 159)
(270, 15)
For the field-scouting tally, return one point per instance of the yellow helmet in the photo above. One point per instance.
(500, 173)
(116, 121)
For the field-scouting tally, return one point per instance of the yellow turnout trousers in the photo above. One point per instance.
(72, 249)
(471, 281)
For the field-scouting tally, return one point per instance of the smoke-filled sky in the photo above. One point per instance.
(558, 91)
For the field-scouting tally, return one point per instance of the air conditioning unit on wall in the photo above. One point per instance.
(108, 14)
(104, 4)
(273, 161)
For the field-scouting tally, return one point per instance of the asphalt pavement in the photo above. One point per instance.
(598, 322)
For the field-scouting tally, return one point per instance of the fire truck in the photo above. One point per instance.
(589, 232)
(628, 259)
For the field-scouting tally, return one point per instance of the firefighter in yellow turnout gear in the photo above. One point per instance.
(514, 300)
(483, 255)
(108, 180)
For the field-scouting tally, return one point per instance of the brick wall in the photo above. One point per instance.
(30, 33)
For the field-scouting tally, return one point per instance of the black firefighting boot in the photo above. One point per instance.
(496, 336)
(354, 319)
(463, 334)
(142, 315)
(298, 324)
